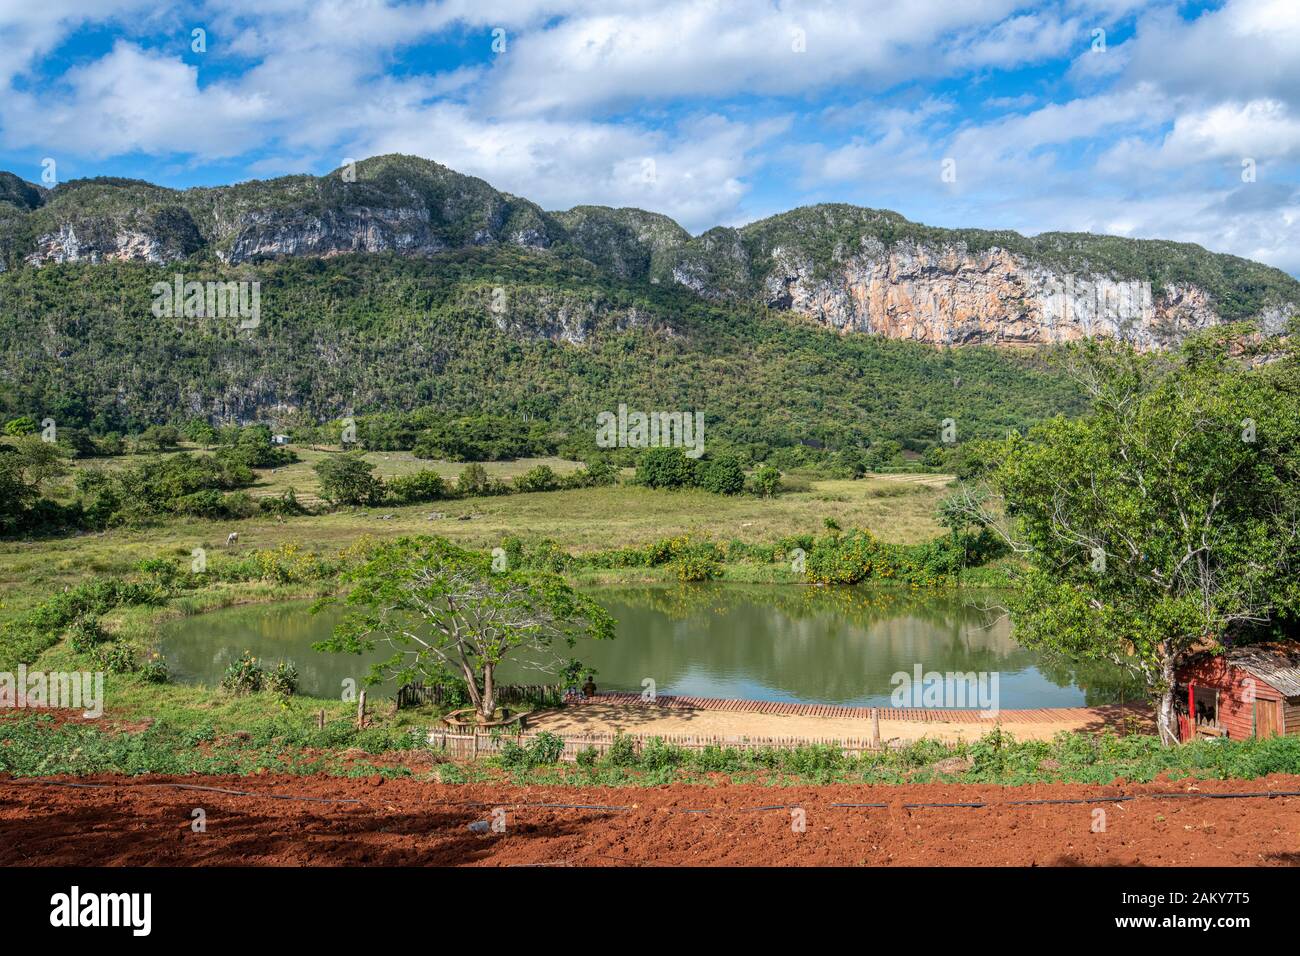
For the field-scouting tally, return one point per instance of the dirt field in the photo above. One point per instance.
(148, 821)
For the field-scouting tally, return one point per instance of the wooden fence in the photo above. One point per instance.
(542, 695)
(460, 745)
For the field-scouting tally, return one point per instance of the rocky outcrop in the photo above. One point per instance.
(538, 313)
(145, 233)
(947, 295)
(396, 204)
(851, 269)
(264, 235)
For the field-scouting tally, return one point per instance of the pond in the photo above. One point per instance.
(777, 643)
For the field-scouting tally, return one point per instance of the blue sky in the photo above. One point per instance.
(1170, 120)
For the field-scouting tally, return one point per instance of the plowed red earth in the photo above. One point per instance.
(135, 822)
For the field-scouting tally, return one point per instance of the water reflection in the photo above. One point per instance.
(812, 645)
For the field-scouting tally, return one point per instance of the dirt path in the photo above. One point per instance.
(135, 821)
(602, 717)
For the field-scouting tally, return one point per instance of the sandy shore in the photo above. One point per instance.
(631, 718)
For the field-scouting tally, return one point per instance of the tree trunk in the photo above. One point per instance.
(488, 704)
(471, 687)
(1166, 718)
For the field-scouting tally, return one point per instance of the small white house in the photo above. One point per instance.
(279, 439)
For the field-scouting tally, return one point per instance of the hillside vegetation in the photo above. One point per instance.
(366, 333)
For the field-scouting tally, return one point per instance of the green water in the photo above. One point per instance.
(785, 643)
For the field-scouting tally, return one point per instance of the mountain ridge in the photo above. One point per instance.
(849, 268)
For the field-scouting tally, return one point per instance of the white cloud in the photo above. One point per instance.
(129, 101)
(695, 175)
(656, 51)
(31, 30)
(1144, 139)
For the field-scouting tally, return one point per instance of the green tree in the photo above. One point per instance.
(767, 480)
(537, 478)
(470, 616)
(1166, 520)
(23, 425)
(348, 479)
(39, 462)
(159, 438)
(16, 495)
(77, 443)
(110, 445)
(665, 468)
(601, 471)
(473, 480)
(201, 433)
(722, 475)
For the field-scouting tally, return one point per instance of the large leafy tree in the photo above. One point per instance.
(348, 480)
(449, 612)
(1167, 519)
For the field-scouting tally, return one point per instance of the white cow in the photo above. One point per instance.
(232, 538)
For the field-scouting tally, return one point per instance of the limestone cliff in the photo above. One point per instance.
(948, 295)
(851, 269)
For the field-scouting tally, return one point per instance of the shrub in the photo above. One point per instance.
(622, 752)
(658, 755)
(473, 481)
(539, 478)
(722, 475)
(86, 633)
(285, 564)
(154, 670)
(665, 468)
(766, 481)
(598, 471)
(202, 504)
(283, 680)
(424, 485)
(513, 755)
(697, 564)
(243, 676)
(542, 751)
(116, 658)
(545, 748)
(163, 570)
(286, 505)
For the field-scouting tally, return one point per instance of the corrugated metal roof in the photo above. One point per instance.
(1277, 664)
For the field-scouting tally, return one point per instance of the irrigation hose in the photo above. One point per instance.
(1061, 801)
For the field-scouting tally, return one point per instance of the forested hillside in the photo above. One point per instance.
(489, 330)
(399, 284)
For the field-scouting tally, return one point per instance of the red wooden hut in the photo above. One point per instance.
(1250, 691)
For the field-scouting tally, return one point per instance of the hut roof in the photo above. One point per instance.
(1276, 664)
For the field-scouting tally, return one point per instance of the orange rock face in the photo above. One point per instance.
(946, 295)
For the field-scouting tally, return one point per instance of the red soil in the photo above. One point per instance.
(138, 821)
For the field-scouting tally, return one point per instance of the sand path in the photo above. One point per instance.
(643, 719)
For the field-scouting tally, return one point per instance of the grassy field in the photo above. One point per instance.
(898, 508)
